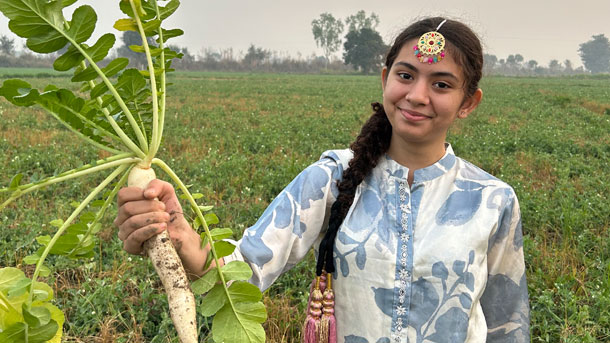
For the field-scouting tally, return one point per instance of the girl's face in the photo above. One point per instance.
(422, 100)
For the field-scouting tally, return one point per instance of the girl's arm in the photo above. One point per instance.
(291, 225)
(505, 300)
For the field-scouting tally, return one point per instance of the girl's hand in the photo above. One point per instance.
(141, 216)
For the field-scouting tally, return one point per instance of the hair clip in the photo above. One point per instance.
(430, 47)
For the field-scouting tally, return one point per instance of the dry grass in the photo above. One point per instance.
(284, 320)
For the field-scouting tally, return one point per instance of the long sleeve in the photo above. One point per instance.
(291, 224)
(505, 299)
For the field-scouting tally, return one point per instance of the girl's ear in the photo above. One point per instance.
(470, 104)
(384, 77)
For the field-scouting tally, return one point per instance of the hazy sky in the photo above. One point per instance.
(540, 30)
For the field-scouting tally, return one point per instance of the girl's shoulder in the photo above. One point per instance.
(340, 156)
(472, 173)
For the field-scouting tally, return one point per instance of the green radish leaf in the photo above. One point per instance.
(236, 270)
(9, 277)
(169, 9)
(87, 74)
(213, 301)
(31, 259)
(87, 217)
(28, 97)
(68, 60)
(44, 271)
(82, 24)
(98, 90)
(115, 66)
(15, 181)
(100, 49)
(42, 292)
(57, 223)
(19, 288)
(243, 291)
(77, 228)
(14, 333)
(206, 282)
(66, 3)
(206, 208)
(47, 43)
(221, 233)
(241, 325)
(211, 219)
(11, 88)
(126, 25)
(197, 196)
(167, 34)
(223, 248)
(151, 27)
(36, 316)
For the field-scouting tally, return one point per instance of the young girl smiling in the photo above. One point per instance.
(427, 247)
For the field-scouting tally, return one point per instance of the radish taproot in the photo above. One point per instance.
(120, 111)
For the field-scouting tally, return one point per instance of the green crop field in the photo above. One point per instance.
(240, 138)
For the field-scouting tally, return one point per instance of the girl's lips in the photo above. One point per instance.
(413, 116)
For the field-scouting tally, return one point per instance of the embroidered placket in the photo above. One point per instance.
(403, 273)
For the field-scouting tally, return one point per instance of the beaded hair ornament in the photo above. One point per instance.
(430, 47)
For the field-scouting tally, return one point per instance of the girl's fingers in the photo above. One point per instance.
(134, 208)
(133, 243)
(136, 222)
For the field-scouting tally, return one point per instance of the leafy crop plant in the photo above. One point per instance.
(120, 111)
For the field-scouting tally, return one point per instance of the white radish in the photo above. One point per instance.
(167, 263)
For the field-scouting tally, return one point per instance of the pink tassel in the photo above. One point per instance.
(311, 327)
(328, 322)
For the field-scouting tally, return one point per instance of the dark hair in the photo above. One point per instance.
(374, 138)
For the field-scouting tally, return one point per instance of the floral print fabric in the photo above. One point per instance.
(440, 261)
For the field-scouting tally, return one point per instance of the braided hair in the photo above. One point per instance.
(375, 136)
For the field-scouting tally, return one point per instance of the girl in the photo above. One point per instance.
(428, 247)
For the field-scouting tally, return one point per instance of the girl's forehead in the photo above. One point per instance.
(407, 55)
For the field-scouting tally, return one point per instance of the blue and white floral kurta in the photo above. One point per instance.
(440, 261)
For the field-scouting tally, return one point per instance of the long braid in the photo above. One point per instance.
(372, 142)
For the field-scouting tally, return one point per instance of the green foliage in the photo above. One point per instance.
(326, 31)
(364, 49)
(595, 54)
(122, 116)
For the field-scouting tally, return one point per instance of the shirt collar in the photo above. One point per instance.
(393, 169)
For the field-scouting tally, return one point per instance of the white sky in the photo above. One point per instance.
(537, 29)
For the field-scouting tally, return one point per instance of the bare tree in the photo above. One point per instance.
(326, 31)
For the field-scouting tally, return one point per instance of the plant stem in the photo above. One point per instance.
(131, 145)
(82, 136)
(204, 224)
(65, 225)
(56, 179)
(163, 85)
(153, 87)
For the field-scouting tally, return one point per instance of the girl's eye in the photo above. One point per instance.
(442, 85)
(405, 76)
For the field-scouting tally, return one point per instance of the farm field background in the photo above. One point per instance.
(240, 138)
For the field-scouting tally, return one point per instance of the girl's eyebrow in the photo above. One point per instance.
(436, 74)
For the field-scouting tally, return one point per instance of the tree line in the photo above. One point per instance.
(363, 52)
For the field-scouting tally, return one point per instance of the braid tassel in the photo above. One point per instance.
(311, 327)
(328, 322)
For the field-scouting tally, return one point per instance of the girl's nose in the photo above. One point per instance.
(418, 94)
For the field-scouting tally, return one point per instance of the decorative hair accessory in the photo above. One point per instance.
(430, 47)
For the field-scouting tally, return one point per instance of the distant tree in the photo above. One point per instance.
(255, 56)
(326, 31)
(364, 49)
(360, 21)
(489, 63)
(554, 67)
(595, 54)
(7, 45)
(532, 64)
